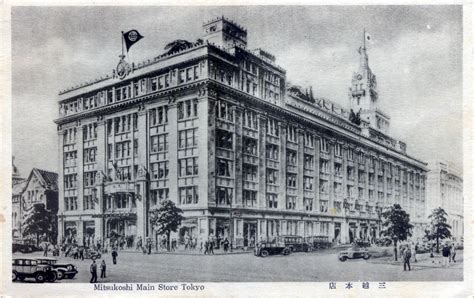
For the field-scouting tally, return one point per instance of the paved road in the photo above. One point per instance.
(316, 266)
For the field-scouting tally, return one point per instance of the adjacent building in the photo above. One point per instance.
(18, 184)
(444, 189)
(215, 128)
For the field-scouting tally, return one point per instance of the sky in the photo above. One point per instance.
(416, 55)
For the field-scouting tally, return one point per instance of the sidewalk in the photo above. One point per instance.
(423, 261)
(192, 252)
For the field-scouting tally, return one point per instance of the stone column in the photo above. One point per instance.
(331, 231)
(60, 184)
(262, 162)
(206, 148)
(141, 183)
(282, 178)
(262, 230)
(101, 169)
(300, 167)
(173, 151)
(210, 107)
(238, 157)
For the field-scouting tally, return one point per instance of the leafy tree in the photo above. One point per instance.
(178, 45)
(396, 225)
(438, 229)
(38, 221)
(166, 218)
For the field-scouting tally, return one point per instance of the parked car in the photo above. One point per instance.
(30, 268)
(295, 243)
(91, 254)
(385, 241)
(362, 243)
(319, 242)
(354, 252)
(23, 248)
(62, 270)
(264, 249)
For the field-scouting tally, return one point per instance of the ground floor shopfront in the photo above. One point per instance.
(239, 227)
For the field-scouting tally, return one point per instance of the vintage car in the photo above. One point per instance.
(354, 252)
(295, 243)
(319, 242)
(62, 270)
(30, 268)
(264, 249)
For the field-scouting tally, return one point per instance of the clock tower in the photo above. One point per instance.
(363, 95)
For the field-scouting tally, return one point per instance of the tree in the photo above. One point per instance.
(166, 218)
(438, 229)
(39, 221)
(178, 45)
(396, 225)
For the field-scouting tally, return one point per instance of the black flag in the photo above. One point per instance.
(131, 37)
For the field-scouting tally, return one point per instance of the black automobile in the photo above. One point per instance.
(264, 249)
(23, 248)
(63, 270)
(30, 268)
(354, 252)
(319, 242)
(295, 243)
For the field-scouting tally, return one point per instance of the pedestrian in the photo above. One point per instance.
(81, 253)
(453, 253)
(206, 247)
(103, 267)
(46, 247)
(211, 247)
(446, 253)
(114, 256)
(413, 252)
(98, 246)
(93, 272)
(406, 258)
(226, 245)
(76, 255)
(149, 247)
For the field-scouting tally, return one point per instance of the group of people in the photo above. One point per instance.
(93, 270)
(408, 253)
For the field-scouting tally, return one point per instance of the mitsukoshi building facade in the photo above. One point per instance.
(214, 128)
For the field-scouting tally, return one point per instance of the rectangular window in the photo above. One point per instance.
(324, 145)
(323, 166)
(272, 151)
(272, 176)
(249, 198)
(308, 204)
(224, 139)
(159, 170)
(224, 196)
(250, 172)
(273, 128)
(308, 162)
(291, 180)
(188, 166)
(308, 183)
(272, 200)
(188, 195)
(187, 138)
(338, 150)
(308, 140)
(224, 167)
(290, 202)
(187, 109)
(249, 119)
(224, 111)
(250, 146)
(291, 134)
(323, 206)
(291, 158)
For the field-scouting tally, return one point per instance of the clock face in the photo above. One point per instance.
(359, 77)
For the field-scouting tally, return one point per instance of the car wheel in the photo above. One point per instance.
(52, 277)
(60, 274)
(40, 277)
(366, 256)
(286, 252)
(14, 275)
(343, 259)
(264, 253)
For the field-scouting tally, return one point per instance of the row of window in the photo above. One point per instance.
(89, 132)
(187, 109)
(122, 124)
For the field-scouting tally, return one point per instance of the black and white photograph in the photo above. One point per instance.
(155, 147)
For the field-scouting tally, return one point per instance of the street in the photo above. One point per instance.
(245, 267)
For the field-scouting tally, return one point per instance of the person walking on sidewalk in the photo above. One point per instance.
(211, 247)
(453, 253)
(93, 270)
(406, 258)
(103, 267)
(413, 252)
(114, 256)
(446, 253)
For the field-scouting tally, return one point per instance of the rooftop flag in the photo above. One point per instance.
(131, 37)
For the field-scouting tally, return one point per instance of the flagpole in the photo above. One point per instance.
(122, 45)
(363, 37)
